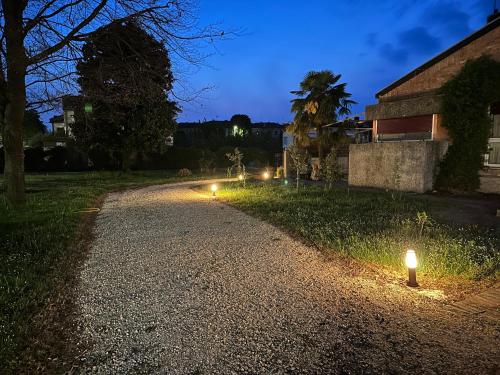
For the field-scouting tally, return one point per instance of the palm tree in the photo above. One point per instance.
(321, 99)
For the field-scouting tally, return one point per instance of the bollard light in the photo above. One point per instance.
(286, 182)
(411, 263)
(266, 175)
(214, 189)
(240, 177)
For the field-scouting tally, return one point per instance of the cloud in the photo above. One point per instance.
(411, 42)
(371, 39)
(393, 54)
(449, 17)
(418, 41)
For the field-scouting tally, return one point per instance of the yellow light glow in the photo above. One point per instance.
(411, 259)
(240, 177)
(214, 188)
(266, 175)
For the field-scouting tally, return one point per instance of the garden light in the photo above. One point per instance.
(240, 177)
(286, 182)
(214, 189)
(411, 263)
(266, 175)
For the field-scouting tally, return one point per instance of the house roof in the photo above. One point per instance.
(479, 33)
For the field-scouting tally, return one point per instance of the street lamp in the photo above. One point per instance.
(214, 189)
(411, 263)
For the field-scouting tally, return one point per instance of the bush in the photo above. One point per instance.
(101, 158)
(184, 172)
(56, 159)
(34, 159)
(76, 160)
(2, 159)
(207, 161)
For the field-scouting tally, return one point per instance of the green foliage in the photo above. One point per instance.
(422, 220)
(36, 238)
(126, 75)
(33, 126)
(321, 99)
(236, 160)
(184, 172)
(331, 170)
(464, 108)
(300, 161)
(373, 227)
(207, 161)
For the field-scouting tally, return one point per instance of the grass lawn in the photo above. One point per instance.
(374, 226)
(36, 238)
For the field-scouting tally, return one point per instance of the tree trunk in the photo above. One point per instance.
(14, 97)
(298, 179)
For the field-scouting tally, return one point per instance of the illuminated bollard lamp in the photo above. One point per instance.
(214, 189)
(411, 263)
(265, 175)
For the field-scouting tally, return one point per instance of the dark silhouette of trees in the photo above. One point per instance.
(125, 74)
(40, 42)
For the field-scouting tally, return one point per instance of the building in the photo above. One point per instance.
(408, 109)
(61, 124)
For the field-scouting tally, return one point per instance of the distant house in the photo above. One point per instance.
(408, 109)
(268, 129)
(197, 133)
(61, 124)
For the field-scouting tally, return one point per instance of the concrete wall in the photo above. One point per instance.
(376, 164)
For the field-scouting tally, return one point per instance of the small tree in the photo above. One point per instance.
(331, 168)
(300, 160)
(236, 159)
(207, 161)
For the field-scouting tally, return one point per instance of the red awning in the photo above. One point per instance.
(417, 124)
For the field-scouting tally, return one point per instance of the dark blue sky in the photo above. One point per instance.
(371, 43)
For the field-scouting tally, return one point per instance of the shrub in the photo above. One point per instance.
(100, 157)
(57, 159)
(76, 159)
(184, 172)
(2, 159)
(207, 161)
(34, 159)
(331, 168)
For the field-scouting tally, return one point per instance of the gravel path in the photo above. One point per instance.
(178, 283)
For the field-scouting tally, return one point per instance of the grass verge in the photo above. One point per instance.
(373, 226)
(37, 240)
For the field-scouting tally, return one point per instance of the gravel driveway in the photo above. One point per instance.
(179, 283)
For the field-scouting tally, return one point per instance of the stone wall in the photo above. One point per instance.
(378, 164)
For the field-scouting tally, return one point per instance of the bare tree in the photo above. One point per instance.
(40, 41)
(300, 160)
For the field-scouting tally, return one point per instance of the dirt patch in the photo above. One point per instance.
(53, 347)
